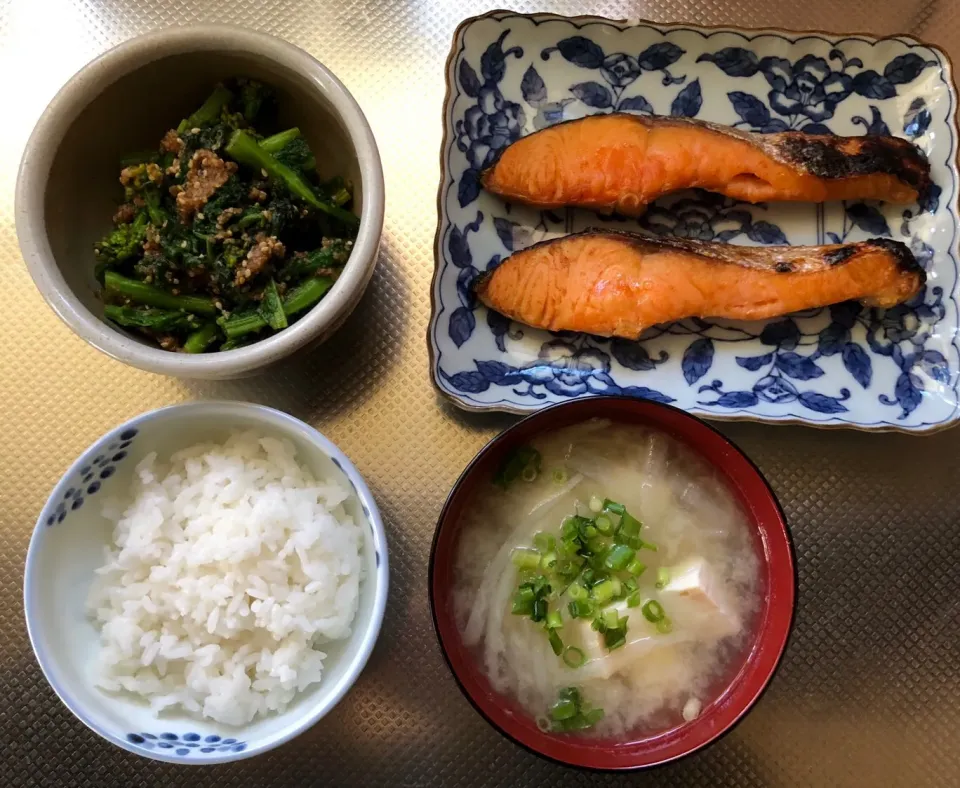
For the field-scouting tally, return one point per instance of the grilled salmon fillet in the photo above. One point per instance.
(614, 283)
(621, 163)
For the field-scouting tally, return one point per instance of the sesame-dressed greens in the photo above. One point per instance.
(225, 235)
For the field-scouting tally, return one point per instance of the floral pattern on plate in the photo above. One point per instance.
(844, 365)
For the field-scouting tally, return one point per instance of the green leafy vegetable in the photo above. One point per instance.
(244, 149)
(201, 339)
(296, 301)
(271, 308)
(146, 317)
(225, 222)
(140, 293)
(209, 111)
(121, 244)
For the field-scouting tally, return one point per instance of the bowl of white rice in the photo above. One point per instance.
(206, 582)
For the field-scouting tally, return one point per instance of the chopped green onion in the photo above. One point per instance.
(554, 619)
(629, 526)
(665, 626)
(619, 557)
(568, 548)
(577, 591)
(560, 476)
(521, 608)
(549, 560)
(636, 542)
(580, 608)
(613, 506)
(603, 592)
(529, 473)
(630, 585)
(563, 710)
(570, 567)
(570, 527)
(573, 657)
(596, 505)
(653, 611)
(570, 712)
(539, 610)
(597, 545)
(617, 587)
(604, 525)
(635, 568)
(663, 577)
(610, 619)
(516, 465)
(555, 642)
(525, 558)
(590, 531)
(544, 542)
(634, 599)
(592, 717)
(525, 594)
(577, 723)
(614, 638)
(566, 568)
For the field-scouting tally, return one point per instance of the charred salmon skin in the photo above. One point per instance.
(614, 283)
(621, 163)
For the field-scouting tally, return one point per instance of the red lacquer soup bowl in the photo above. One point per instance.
(750, 670)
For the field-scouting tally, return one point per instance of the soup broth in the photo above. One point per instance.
(620, 545)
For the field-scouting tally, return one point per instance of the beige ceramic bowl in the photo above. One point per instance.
(124, 100)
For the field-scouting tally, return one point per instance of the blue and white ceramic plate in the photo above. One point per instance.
(510, 74)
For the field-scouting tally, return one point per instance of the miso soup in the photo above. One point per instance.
(607, 579)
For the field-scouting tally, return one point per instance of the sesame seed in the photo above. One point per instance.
(183, 244)
(263, 173)
(200, 216)
(176, 281)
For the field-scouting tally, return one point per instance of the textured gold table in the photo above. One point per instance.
(869, 690)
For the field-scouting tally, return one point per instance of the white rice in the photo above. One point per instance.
(230, 566)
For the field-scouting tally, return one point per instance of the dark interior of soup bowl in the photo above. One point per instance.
(133, 113)
(750, 670)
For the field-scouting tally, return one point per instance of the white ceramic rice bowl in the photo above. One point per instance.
(68, 544)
